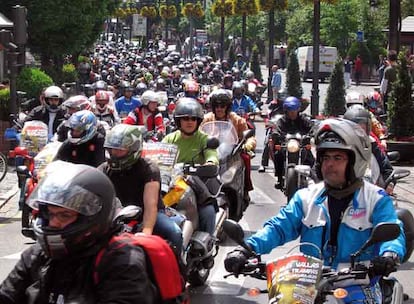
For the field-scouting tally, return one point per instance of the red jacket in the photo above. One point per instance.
(154, 121)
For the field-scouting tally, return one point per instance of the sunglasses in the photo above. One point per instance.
(188, 118)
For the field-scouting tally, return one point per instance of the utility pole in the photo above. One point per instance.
(315, 73)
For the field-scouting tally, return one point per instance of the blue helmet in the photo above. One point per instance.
(85, 123)
(291, 103)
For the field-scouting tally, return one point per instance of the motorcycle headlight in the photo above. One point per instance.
(292, 146)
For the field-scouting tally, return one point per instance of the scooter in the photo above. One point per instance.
(232, 168)
(299, 278)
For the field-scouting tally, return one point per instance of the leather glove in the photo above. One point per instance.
(236, 259)
(385, 264)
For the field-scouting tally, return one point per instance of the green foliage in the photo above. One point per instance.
(335, 97)
(293, 81)
(361, 49)
(400, 104)
(232, 55)
(69, 73)
(32, 81)
(4, 104)
(255, 63)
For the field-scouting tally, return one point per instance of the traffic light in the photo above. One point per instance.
(20, 24)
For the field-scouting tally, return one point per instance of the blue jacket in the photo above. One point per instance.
(247, 105)
(276, 80)
(307, 216)
(123, 106)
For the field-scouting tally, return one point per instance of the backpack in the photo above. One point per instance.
(165, 270)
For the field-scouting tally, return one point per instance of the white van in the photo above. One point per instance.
(327, 58)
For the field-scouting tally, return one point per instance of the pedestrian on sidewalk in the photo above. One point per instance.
(347, 71)
(276, 82)
(390, 75)
(358, 69)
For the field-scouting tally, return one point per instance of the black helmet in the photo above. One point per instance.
(188, 107)
(359, 115)
(222, 97)
(83, 189)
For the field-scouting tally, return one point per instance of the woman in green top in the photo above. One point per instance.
(190, 141)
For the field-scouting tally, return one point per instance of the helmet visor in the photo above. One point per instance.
(72, 197)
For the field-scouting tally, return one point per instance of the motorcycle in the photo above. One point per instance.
(31, 156)
(296, 148)
(299, 278)
(180, 199)
(232, 168)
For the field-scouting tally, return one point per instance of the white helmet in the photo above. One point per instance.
(149, 96)
(53, 92)
(353, 98)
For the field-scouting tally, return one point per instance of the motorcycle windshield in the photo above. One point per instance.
(34, 136)
(226, 134)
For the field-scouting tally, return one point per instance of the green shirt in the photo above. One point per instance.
(189, 147)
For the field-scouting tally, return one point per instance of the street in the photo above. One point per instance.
(266, 202)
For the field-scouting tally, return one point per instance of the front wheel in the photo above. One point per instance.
(291, 182)
(3, 166)
(198, 277)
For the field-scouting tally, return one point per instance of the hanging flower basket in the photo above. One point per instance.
(168, 11)
(149, 11)
(270, 5)
(222, 8)
(245, 7)
(193, 10)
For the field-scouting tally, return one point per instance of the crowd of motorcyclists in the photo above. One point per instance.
(128, 96)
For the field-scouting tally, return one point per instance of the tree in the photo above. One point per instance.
(232, 55)
(255, 63)
(293, 81)
(335, 97)
(58, 28)
(400, 105)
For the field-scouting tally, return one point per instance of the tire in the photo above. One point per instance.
(198, 277)
(291, 182)
(235, 210)
(3, 166)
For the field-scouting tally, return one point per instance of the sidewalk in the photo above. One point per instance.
(9, 191)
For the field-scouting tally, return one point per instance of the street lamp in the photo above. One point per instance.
(316, 42)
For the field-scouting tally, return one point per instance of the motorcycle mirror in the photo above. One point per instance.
(213, 143)
(383, 232)
(235, 232)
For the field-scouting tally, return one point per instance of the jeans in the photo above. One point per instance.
(169, 230)
(207, 218)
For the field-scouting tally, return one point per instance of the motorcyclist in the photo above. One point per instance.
(127, 103)
(76, 205)
(103, 111)
(148, 115)
(329, 214)
(242, 104)
(71, 105)
(51, 112)
(84, 144)
(356, 98)
(137, 181)
(220, 101)
(380, 161)
(228, 82)
(291, 122)
(188, 116)
(239, 63)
